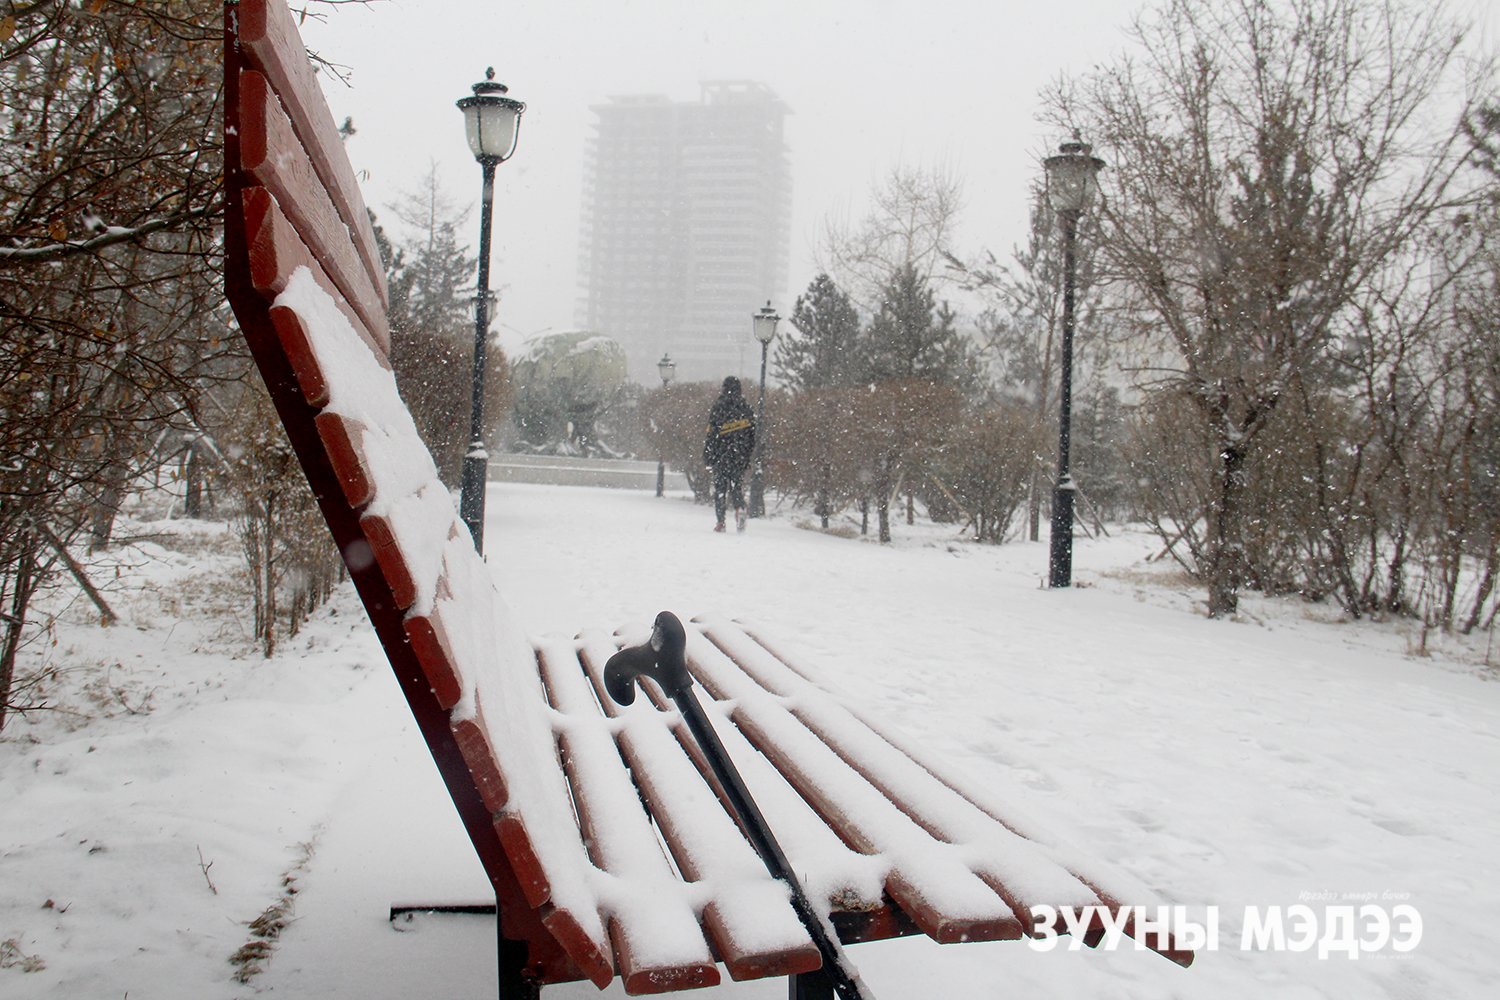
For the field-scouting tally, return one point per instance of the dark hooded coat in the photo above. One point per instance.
(731, 430)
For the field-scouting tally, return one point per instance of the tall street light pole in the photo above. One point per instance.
(492, 123)
(763, 324)
(667, 369)
(1072, 179)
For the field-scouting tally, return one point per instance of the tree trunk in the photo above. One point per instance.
(1034, 508)
(106, 506)
(107, 615)
(824, 490)
(8, 647)
(23, 585)
(192, 474)
(1395, 588)
(269, 579)
(884, 489)
(1227, 549)
(1486, 585)
(1335, 514)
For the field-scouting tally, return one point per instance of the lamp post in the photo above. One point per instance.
(1072, 179)
(763, 324)
(667, 369)
(492, 122)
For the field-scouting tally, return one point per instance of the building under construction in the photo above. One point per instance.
(686, 226)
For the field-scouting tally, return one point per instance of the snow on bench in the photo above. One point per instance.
(603, 830)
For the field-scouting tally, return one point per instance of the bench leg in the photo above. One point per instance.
(810, 986)
(513, 985)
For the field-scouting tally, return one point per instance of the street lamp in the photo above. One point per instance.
(492, 122)
(763, 323)
(1072, 180)
(667, 369)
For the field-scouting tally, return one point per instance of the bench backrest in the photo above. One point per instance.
(304, 277)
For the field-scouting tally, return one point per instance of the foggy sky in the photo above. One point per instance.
(870, 83)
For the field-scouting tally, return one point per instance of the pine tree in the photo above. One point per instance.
(827, 351)
(432, 327)
(912, 336)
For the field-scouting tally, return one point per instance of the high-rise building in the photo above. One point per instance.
(686, 226)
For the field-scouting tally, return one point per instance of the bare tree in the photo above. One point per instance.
(113, 327)
(1020, 335)
(985, 470)
(910, 223)
(1269, 159)
(291, 563)
(110, 314)
(672, 422)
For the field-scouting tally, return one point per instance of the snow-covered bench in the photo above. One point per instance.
(602, 829)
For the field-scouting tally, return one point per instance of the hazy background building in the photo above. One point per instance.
(686, 225)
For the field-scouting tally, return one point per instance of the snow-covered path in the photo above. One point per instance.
(1265, 762)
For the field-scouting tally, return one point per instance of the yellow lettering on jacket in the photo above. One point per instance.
(733, 425)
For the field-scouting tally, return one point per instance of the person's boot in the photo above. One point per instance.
(719, 526)
(739, 519)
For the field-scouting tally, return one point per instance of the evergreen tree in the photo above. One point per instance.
(437, 270)
(432, 327)
(912, 336)
(827, 352)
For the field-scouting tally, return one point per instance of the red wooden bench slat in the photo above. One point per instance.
(547, 960)
(474, 744)
(429, 639)
(641, 979)
(272, 155)
(516, 837)
(718, 857)
(621, 841)
(962, 787)
(912, 888)
(908, 893)
(593, 961)
(382, 538)
(594, 958)
(299, 355)
(744, 964)
(270, 43)
(944, 813)
(340, 437)
(276, 251)
(873, 925)
(794, 819)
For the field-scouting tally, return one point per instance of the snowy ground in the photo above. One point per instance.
(1262, 762)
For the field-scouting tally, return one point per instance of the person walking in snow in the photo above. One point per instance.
(726, 450)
